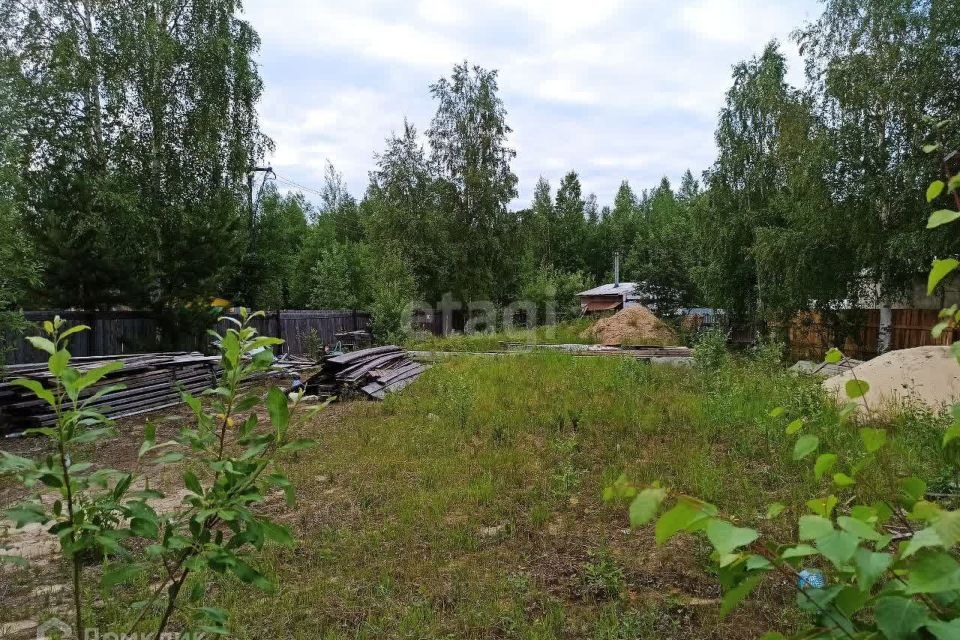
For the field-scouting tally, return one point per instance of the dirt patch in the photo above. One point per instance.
(633, 325)
(924, 376)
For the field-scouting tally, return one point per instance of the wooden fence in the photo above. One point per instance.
(116, 332)
(857, 333)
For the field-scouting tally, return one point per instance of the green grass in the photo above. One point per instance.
(468, 506)
(561, 333)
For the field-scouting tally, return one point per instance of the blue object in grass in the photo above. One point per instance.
(811, 578)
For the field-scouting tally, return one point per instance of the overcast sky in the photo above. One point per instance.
(614, 90)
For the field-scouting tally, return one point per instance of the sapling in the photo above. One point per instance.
(95, 512)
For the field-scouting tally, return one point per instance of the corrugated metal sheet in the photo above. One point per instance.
(625, 288)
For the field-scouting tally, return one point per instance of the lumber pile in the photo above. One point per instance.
(152, 381)
(373, 373)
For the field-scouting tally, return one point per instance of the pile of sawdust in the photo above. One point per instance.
(922, 376)
(634, 325)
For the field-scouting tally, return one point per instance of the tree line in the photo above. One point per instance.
(130, 129)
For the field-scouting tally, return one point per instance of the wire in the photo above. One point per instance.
(291, 183)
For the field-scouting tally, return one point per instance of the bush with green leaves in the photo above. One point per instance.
(109, 515)
(887, 553)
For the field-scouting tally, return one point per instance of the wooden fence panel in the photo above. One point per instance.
(810, 338)
(116, 332)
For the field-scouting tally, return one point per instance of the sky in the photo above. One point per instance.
(611, 89)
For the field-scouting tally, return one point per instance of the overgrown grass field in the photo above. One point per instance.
(469, 505)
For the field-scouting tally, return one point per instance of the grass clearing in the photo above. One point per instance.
(568, 332)
(469, 506)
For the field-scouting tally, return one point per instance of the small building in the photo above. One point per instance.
(609, 297)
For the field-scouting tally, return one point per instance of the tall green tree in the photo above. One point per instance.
(280, 231)
(661, 256)
(404, 217)
(469, 149)
(138, 122)
(18, 267)
(341, 207)
(742, 181)
(879, 71)
(540, 224)
(570, 230)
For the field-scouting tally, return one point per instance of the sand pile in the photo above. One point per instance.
(634, 325)
(924, 376)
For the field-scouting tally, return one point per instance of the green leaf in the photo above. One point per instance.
(95, 375)
(645, 505)
(277, 533)
(27, 514)
(870, 566)
(298, 445)
(58, 362)
(799, 551)
(913, 488)
(775, 509)
(823, 506)
(858, 528)
(897, 618)
(953, 431)
(10, 463)
(824, 463)
(945, 630)
(921, 540)
(837, 547)
(954, 183)
(72, 330)
(36, 388)
(736, 595)
(935, 189)
(41, 343)
(278, 410)
(250, 575)
(873, 439)
(687, 515)
(939, 270)
(813, 527)
(933, 573)
(776, 412)
(805, 445)
(191, 482)
(833, 356)
(170, 456)
(842, 480)
(941, 217)
(726, 538)
(856, 388)
(947, 525)
(794, 426)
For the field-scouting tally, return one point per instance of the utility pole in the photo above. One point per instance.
(250, 175)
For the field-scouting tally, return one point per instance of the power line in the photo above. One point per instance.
(291, 183)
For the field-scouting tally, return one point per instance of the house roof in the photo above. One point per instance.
(625, 288)
(603, 304)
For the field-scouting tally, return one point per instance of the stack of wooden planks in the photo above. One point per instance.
(152, 381)
(373, 373)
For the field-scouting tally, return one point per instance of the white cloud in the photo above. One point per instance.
(611, 88)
